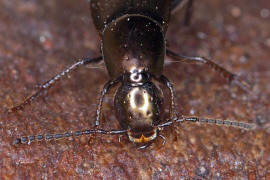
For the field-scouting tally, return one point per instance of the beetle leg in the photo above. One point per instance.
(188, 13)
(179, 4)
(48, 84)
(166, 82)
(232, 78)
(104, 91)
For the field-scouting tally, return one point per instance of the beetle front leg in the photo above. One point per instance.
(104, 91)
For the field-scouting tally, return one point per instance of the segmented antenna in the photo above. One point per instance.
(49, 137)
(236, 124)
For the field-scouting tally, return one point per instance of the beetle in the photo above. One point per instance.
(133, 48)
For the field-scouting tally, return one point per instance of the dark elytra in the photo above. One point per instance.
(134, 49)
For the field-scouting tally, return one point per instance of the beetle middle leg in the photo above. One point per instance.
(232, 78)
(48, 84)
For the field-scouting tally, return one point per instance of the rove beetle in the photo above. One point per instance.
(133, 49)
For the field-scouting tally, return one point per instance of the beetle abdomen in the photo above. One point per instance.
(104, 11)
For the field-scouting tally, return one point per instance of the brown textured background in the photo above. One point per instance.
(40, 38)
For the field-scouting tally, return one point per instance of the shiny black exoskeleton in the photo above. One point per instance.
(133, 49)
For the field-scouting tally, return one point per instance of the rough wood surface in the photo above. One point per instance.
(40, 38)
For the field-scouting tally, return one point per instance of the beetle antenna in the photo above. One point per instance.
(49, 137)
(220, 122)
